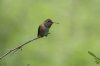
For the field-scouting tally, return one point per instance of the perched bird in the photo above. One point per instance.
(43, 29)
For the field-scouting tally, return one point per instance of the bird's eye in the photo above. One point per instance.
(49, 20)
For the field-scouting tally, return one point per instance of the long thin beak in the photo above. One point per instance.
(56, 22)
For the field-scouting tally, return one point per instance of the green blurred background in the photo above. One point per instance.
(67, 45)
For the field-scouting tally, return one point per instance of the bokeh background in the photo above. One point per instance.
(67, 45)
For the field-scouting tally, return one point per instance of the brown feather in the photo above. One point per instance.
(41, 30)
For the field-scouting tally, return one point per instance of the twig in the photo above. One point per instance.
(17, 48)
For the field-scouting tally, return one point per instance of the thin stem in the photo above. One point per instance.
(17, 48)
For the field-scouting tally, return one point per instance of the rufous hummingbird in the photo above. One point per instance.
(43, 29)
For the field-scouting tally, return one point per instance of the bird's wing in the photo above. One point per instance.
(41, 31)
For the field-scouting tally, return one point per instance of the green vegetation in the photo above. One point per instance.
(97, 60)
(68, 42)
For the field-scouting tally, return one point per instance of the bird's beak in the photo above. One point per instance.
(56, 22)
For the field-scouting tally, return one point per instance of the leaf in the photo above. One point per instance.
(97, 60)
(91, 54)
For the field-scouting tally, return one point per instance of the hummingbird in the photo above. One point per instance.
(43, 29)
